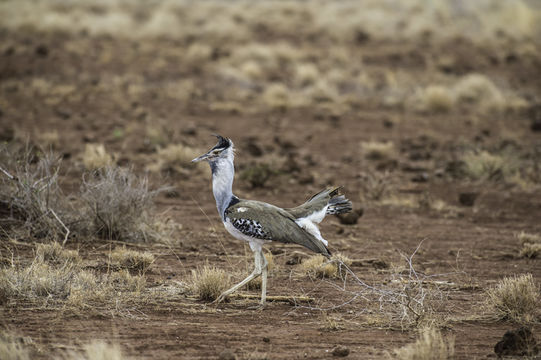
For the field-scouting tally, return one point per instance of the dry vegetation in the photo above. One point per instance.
(409, 105)
(431, 345)
(209, 282)
(515, 298)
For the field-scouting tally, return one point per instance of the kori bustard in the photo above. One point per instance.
(258, 222)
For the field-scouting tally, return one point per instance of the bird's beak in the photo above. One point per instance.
(201, 158)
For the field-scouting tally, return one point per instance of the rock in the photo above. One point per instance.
(351, 218)
(227, 355)
(266, 339)
(42, 51)
(340, 351)
(467, 198)
(519, 342)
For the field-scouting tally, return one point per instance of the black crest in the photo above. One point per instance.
(223, 143)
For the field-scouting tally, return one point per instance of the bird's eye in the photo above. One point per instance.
(216, 152)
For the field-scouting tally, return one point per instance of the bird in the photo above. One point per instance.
(258, 222)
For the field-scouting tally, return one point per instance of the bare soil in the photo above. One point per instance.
(472, 246)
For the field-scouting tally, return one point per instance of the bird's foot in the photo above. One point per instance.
(220, 299)
(261, 306)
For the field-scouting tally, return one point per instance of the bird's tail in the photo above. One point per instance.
(338, 203)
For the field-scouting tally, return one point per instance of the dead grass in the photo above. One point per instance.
(96, 157)
(514, 298)
(437, 98)
(531, 245)
(209, 282)
(378, 150)
(318, 266)
(176, 158)
(479, 90)
(330, 323)
(487, 166)
(131, 259)
(430, 345)
(118, 204)
(96, 350)
(11, 348)
(54, 253)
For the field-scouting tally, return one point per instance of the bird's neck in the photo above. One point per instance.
(223, 173)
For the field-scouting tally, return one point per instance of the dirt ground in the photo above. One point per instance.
(85, 88)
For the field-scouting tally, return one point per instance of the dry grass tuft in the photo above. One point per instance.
(12, 349)
(438, 98)
(377, 150)
(176, 158)
(486, 166)
(531, 245)
(39, 280)
(96, 157)
(477, 89)
(54, 253)
(209, 282)
(431, 345)
(318, 266)
(526, 238)
(514, 298)
(118, 204)
(276, 96)
(330, 323)
(131, 259)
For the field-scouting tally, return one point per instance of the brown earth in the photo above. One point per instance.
(472, 246)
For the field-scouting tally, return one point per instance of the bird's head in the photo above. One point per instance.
(222, 150)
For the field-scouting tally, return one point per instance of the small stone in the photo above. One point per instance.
(266, 339)
(340, 351)
(351, 218)
(227, 355)
(467, 198)
(42, 51)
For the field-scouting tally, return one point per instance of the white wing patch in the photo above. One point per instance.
(312, 228)
(242, 209)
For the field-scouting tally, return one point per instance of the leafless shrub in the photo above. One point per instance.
(430, 345)
(514, 298)
(118, 204)
(30, 195)
(209, 282)
(531, 245)
(406, 297)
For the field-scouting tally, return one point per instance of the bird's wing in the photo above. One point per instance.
(264, 221)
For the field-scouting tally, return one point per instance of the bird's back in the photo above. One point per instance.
(264, 221)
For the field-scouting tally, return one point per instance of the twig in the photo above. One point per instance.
(7, 174)
(289, 299)
(64, 226)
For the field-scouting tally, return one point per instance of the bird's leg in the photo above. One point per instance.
(253, 275)
(264, 267)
